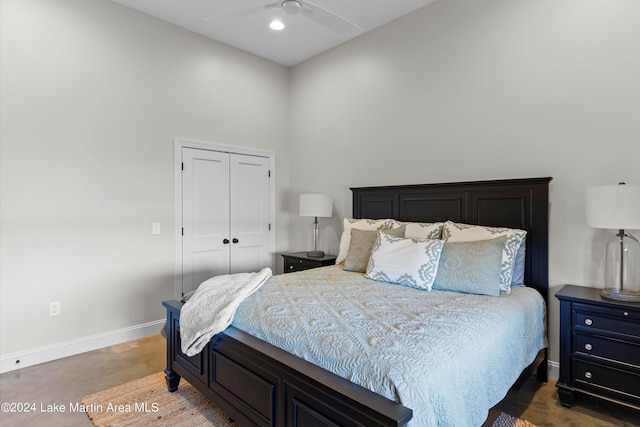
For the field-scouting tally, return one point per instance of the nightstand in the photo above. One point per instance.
(298, 261)
(599, 347)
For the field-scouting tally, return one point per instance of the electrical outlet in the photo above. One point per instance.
(54, 308)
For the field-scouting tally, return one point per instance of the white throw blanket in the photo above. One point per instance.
(212, 307)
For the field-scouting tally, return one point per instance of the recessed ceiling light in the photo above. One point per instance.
(276, 25)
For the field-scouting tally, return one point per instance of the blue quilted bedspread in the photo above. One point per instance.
(448, 356)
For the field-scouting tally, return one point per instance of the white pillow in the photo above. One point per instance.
(361, 224)
(407, 262)
(457, 232)
(422, 230)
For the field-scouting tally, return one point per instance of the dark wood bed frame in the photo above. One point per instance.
(258, 384)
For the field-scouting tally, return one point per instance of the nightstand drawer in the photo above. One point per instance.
(300, 261)
(606, 379)
(613, 349)
(294, 264)
(606, 319)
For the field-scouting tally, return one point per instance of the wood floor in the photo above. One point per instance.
(64, 382)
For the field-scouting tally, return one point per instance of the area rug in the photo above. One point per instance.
(146, 402)
(506, 420)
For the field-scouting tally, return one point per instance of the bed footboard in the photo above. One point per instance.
(256, 383)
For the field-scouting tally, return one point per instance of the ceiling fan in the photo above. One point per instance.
(312, 11)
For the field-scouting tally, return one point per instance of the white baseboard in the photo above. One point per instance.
(554, 370)
(22, 359)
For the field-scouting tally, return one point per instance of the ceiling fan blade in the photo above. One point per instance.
(330, 20)
(244, 12)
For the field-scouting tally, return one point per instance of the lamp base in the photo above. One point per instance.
(618, 295)
(315, 254)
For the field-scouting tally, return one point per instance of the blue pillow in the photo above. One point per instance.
(471, 267)
(518, 266)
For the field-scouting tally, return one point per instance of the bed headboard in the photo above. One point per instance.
(513, 203)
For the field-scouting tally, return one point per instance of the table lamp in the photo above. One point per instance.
(316, 205)
(617, 207)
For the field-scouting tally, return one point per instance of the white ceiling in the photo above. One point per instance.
(229, 22)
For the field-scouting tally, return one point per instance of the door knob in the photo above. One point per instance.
(235, 240)
(225, 241)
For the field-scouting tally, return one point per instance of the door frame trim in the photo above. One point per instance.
(178, 145)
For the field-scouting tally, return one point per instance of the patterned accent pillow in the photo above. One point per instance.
(457, 232)
(407, 262)
(471, 267)
(362, 242)
(361, 224)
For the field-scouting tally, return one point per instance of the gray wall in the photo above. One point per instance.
(93, 95)
(466, 90)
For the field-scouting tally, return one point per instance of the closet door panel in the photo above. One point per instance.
(205, 216)
(249, 207)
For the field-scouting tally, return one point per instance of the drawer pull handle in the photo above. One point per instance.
(588, 375)
(588, 346)
(626, 313)
(588, 322)
(291, 267)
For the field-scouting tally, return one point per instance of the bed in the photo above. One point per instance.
(259, 383)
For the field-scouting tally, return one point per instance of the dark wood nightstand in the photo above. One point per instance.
(298, 261)
(599, 347)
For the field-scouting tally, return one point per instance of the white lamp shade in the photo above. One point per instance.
(320, 205)
(614, 207)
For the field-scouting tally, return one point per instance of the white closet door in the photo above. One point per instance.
(249, 213)
(205, 214)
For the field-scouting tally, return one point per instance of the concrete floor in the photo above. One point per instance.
(67, 380)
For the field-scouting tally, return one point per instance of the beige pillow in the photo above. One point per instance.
(362, 224)
(361, 245)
